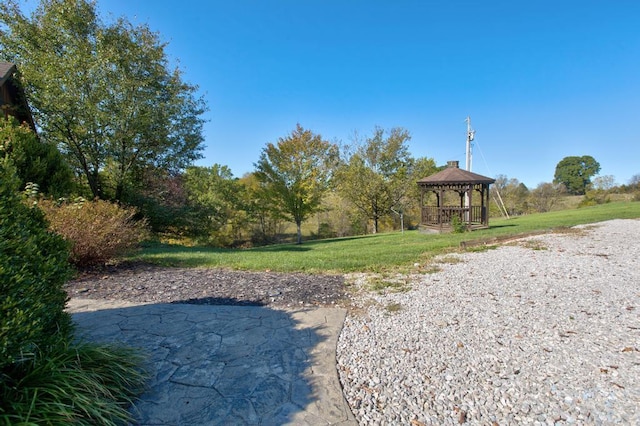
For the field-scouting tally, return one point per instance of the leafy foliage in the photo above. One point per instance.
(102, 92)
(265, 221)
(545, 196)
(379, 175)
(98, 231)
(162, 200)
(513, 193)
(85, 384)
(35, 161)
(457, 225)
(296, 173)
(217, 199)
(45, 376)
(33, 269)
(594, 197)
(575, 173)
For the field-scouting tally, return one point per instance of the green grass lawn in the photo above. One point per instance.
(382, 252)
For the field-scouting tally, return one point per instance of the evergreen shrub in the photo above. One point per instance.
(46, 377)
(33, 270)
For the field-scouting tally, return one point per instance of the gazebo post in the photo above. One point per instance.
(469, 207)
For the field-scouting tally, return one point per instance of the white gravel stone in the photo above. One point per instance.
(515, 335)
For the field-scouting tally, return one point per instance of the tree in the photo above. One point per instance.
(421, 168)
(575, 173)
(103, 93)
(265, 221)
(161, 198)
(545, 196)
(35, 161)
(378, 176)
(295, 174)
(512, 192)
(604, 183)
(218, 197)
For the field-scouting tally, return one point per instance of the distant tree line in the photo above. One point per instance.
(116, 123)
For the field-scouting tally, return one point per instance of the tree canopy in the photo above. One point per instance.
(217, 198)
(295, 173)
(575, 173)
(379, 175)
(103, 93)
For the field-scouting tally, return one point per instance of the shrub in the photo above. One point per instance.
(33, 270)
(457, 225)
(99, 231)
(82, 384)
(594, 197)
(35, 161)
(45, 377)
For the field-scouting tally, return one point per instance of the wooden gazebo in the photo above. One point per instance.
(458, 194)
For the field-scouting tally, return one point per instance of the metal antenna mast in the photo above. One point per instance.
(470, 135)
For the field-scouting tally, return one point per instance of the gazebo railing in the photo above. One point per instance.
(433, 215)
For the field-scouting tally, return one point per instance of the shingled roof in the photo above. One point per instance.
(12, 99)
(6, 71)
(455, 175)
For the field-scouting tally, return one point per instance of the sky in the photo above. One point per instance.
(540, 80)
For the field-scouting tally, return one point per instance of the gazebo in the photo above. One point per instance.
(454, 191)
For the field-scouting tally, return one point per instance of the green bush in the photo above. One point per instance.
(46, 378)
(33, 270)
(99, 231)
(35, 161)
(594, 197)
(457, 225)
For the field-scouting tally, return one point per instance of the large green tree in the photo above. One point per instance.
(378, 175)
(104, 93)
(575, 173)
(295, 173)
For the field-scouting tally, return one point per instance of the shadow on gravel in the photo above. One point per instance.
(217, 364)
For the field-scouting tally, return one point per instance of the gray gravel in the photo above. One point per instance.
(543, 331)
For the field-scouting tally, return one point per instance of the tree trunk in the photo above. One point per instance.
(94, 184)
(119, 192)
(299, 226)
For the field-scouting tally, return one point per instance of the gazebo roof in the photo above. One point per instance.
(454, 175)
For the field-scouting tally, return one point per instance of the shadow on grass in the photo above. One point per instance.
(216, 364)
(502, 225)
(281, 248)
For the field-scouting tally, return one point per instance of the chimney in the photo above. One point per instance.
(452, 164)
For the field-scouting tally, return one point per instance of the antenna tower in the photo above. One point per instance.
(470, 135)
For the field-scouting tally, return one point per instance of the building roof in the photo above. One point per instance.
(6, 71)
(12, 99)
(454, 175)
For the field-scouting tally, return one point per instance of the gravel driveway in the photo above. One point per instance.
(543, 331)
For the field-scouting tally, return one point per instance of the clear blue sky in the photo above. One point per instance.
(540, 79)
